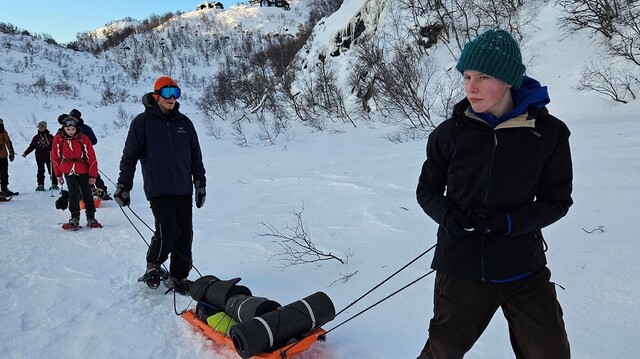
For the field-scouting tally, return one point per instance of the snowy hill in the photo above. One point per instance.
(74, 294)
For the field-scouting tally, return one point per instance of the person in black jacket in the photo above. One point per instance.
(41, 143)
(497, 172)
(166, 143)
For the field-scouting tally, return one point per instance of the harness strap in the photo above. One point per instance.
(82, 159)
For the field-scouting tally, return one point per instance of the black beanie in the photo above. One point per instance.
(62, 117)
(75, 113)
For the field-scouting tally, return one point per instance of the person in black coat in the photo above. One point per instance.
(497, 172)
(41, 143)
(166, 143)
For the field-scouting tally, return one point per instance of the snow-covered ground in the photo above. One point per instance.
(71, 294)
(74, 294)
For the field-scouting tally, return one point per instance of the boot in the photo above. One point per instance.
(154, 275)
(93, 223)
(72, 225)
(180, 286)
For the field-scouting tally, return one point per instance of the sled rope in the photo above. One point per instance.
(146, 225)
(323, 336)
(381, 300)
(388, 278)
(175, 306)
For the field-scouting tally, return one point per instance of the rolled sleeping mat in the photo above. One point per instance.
(276, 328)
(242, 307)
(211, 290)
(200, 286)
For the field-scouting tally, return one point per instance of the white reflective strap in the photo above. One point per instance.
(311, 316)
(240, 307)
(266, 326)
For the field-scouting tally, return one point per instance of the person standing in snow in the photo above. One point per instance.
(87, 130)
(166, 143)
(6, 154)
(41, 143)
(496, 172)
(72, 155)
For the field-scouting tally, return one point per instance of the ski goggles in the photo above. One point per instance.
(168, 92)
(69, 122)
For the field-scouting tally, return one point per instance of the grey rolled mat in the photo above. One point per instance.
(242, 307)
(276, 328)
(211, 290)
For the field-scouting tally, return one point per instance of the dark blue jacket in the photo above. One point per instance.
(168, 149)
(87, 130)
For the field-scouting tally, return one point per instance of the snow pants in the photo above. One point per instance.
(79, 185)
(173, 234)
(40, 175)
(463, 309)
(4, 174)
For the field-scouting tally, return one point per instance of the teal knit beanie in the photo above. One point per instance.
(495, 53)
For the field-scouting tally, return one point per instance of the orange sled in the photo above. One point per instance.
(288, 351)
(96, 202)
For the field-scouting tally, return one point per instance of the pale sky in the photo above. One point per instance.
(63, 19)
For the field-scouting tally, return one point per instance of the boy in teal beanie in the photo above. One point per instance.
(497, 171)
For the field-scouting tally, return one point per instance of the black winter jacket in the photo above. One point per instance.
(168, 149)
(41, 143)
(522, 167)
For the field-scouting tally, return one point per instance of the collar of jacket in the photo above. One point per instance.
(530, 97)
(524, 120)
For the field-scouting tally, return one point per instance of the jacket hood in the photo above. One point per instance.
(530, 95)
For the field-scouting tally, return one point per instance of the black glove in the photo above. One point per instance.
(487, 220)
(121, 195)
(457, 223)
(12, 156)
(201, 192)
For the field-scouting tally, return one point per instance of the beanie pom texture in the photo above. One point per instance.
(164, 81)
(495, 53)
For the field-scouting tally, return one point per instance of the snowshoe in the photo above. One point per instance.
(72, 225)
(93, 223)
(54, 187)
(180, 286)
(5, 199)
(154, 275)
(40, 188)
(8, 193)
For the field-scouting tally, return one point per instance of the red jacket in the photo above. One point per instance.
(73, 155)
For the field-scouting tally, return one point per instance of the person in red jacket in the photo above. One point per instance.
(72, 155)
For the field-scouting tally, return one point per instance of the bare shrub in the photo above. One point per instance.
(613, 82)
(123, 118)
(296, 244)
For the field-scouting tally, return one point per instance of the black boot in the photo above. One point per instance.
(154, 275)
